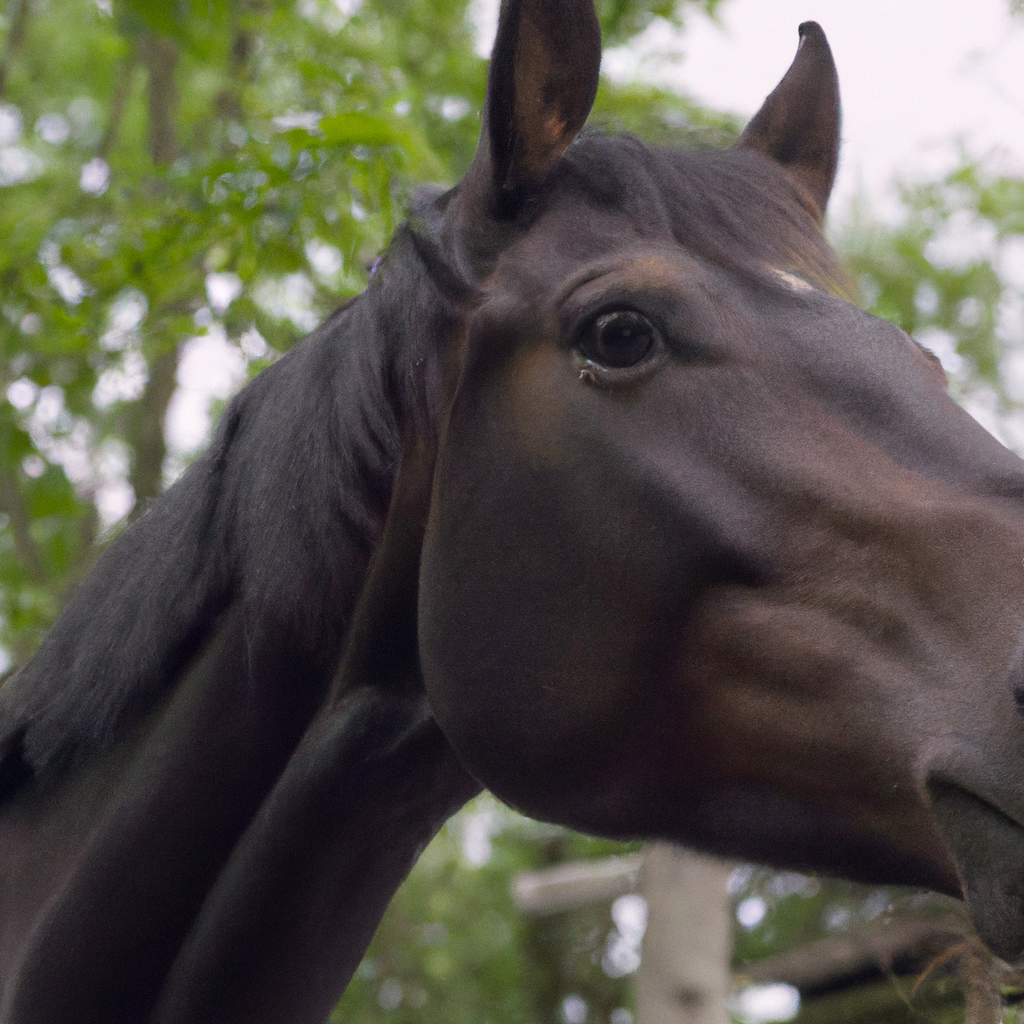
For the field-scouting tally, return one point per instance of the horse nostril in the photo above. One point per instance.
(1017, 680)
(1018, 697)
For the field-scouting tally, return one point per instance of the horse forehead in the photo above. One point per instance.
(550, 267)
(658, 271)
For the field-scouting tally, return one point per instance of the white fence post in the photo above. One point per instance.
(684, 975)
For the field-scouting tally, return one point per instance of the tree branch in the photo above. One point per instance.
(118, 102)
(160, 56)
(873, 951)
(12, 502)
(229, 99)
(575, 883)
(149, 444)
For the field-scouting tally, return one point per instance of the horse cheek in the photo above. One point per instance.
(502, 596)
(539, 637)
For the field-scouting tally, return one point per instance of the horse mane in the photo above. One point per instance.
(281, 514)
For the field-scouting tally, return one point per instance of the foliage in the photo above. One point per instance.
(622, 19)
(951, 273)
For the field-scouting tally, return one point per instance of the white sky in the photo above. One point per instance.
(914, 75)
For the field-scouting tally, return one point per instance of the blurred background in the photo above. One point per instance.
(188, 186)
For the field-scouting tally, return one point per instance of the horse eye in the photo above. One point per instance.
(618, 339)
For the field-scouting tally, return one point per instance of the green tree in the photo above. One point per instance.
(950, 272)
(453, 946)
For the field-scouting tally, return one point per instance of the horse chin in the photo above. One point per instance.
(988, 849)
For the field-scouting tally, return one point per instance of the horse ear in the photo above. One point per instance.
(798, 125)
(541, 86)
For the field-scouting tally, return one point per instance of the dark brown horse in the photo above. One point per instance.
(601, 496)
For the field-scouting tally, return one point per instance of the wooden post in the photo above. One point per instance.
(684, 975)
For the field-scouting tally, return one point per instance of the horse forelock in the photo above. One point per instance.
(735, 208)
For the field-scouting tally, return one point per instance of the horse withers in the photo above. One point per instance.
(602, 496)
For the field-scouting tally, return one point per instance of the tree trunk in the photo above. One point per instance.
(17, 20)
(160, 55)
(685, 969)
(147, 430)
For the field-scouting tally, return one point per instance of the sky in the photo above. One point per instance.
(914, 75)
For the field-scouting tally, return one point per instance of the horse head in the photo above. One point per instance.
(711, 555)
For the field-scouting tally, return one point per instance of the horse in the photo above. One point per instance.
(603, 495)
